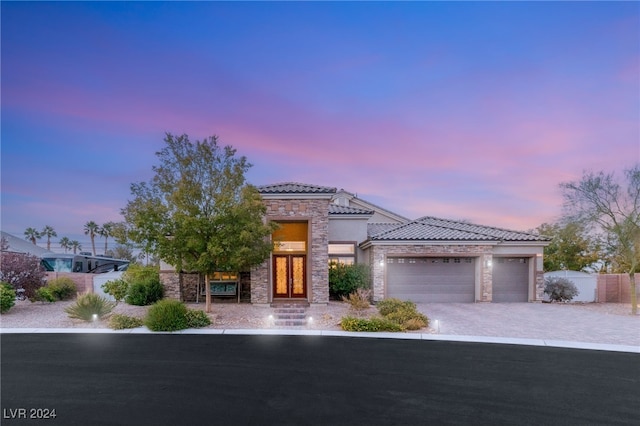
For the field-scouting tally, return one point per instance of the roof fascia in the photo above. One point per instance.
(368, 243)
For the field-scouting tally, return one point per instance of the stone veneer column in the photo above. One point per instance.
(486, 277)
(316, 212)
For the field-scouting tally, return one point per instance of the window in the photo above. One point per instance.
(344, 253)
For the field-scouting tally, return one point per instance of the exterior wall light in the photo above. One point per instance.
(489, 263)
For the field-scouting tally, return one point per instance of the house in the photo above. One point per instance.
(424, 260)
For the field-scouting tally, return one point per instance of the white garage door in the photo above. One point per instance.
(510, 279)
(427, 279)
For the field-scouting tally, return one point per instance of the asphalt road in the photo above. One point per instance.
(161, 379)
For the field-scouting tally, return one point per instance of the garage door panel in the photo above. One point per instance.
(511, 279)
(431, 280)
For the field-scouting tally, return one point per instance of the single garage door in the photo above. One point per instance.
(510, 279)
(428, 279)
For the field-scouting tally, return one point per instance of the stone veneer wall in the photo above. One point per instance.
(378, 255)
(316, 211)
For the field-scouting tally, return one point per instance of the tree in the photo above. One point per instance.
(65, 243)
(32, 235)
(570, 247)
(106, 231)
(92, 229)
(48, 232)
(22, 271)
(198, 213)
(599, 201)
(75, 245)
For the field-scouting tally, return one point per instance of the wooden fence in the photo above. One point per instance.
(615, 288)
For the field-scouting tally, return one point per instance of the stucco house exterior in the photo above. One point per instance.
(424, 260)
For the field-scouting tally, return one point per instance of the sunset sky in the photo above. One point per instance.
(473, 111)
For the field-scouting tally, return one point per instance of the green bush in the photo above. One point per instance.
(144, 293)
(116, 288)
(121, 322)
(345, 279)
(44, 294)
(62, 288)
(89, 305)
(403, 312)
(369, 324)
(560, 289)
(197, 318)
(7, 297)
(386, 306)
(167, 315)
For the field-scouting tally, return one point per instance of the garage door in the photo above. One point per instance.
(510, 279)
(426, 279)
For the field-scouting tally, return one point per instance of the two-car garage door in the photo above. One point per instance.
(431, 279)
(452, 279)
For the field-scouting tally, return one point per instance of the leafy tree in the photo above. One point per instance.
(92, 229)
(22, 271)
(48, 232)
(75, 245)
(65, 243)
(599, 201)
(32, 235)
(570, 247)
(198, 213)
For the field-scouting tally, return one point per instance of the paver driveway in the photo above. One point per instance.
(592, 324)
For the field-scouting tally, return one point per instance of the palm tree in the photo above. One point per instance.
(91, 229)
(106, 232)
(65, 243)
(32, 235)
(75, 245)
(48, 232)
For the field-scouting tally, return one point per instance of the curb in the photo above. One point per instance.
(334, 333)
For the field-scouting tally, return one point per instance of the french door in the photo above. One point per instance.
(289, 276)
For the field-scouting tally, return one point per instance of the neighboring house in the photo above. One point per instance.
(19, 245)
(424, 260)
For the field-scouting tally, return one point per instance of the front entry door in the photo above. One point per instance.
(289, 276)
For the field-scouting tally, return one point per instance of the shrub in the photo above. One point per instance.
(89, 305)
(197, 318)
(167, 315)
(402, 312)
(116, 288)
(121, 322)
(44, 294)
(359, 299)
(560, 289)
(62, 288)
(7, 297)
(345, 279)
(386, 306)
(369, 324)
(144, 293)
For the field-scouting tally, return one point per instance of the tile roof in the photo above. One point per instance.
(335, 209)
(435, 229)
(295, 188)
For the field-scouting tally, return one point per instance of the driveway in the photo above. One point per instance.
(590, 323)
